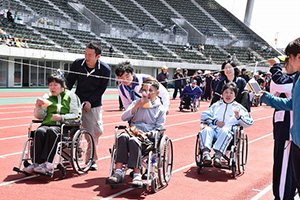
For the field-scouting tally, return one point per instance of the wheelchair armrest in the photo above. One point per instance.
(72, 123)
(37, 121)
(120, 127)
(161, 129)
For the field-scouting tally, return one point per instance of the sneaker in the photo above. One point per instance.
(217, 162)
(207, 159)
(137, 181)
(115, 178)
(30, 168)
(94, 167)
(44, 168)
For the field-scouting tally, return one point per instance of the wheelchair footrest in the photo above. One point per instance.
(16, 169)
(114, 184)
(138, 187)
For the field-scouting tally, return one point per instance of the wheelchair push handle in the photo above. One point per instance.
(120, 127)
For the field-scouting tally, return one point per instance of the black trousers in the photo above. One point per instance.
(175, 91)
(296, 165)
(45, 143)
(283, 176)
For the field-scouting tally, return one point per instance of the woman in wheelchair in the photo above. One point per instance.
(59, 106)
(147, 114)
(220, 117)
(192, 90)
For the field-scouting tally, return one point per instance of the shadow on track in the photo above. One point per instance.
(210, 174)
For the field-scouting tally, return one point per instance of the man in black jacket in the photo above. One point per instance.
(92, 76)
(177, 77)
(163, 76)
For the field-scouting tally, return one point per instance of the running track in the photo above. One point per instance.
(185, 183)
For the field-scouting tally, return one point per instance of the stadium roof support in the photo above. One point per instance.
(248, 12)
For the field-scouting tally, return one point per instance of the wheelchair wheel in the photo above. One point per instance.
(82, 152)
(165, 162)
(198, 152)
(242, 151)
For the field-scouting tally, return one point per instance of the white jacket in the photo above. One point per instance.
(221, 111)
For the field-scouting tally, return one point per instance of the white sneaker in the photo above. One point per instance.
(44, 168)
(30, 168)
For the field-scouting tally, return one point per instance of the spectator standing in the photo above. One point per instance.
(283, 177)
(215, 82)
(177, 77)
(229, 73)
(9, 16)
(111, 51)
(244, 75)
(292, 52)
(208, 86)
(185, 80)
(163, 76)
(92, 77)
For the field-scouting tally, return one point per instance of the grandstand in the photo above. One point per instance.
(147, 33)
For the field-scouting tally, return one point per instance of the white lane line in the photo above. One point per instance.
(11, 154)
(129, 189)
(263, 192)
(12, 118)
(107, 124)
(17, 180)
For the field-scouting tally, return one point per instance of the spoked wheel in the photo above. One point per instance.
(165, 161)
(198, 153)
(242, 152)
(82, 151)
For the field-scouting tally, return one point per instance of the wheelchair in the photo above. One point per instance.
(75, 149)
(235, 158)
(157, 162)
(188, 102)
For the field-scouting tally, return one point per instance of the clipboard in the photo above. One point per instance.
(254, 86)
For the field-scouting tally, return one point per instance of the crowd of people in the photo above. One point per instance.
(147, 102)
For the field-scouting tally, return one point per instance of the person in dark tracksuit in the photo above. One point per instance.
(177, 77)
(283, 177)
(292, 60)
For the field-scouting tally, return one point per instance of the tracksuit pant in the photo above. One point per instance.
(222, 136)
(283, 176)
(296, 165)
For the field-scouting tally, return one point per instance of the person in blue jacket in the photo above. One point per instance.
(292, 60)
(192, 90)
(283, 177)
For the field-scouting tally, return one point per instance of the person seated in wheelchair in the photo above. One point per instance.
(55, 108)
(147, 114)
(193, 91)
(220, 117)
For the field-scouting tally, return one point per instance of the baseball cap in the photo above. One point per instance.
(194, 81)
(282, 57)
(164, 67)
(178, 68)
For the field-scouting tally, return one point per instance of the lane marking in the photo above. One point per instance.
(263, 192)
(106, 157)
